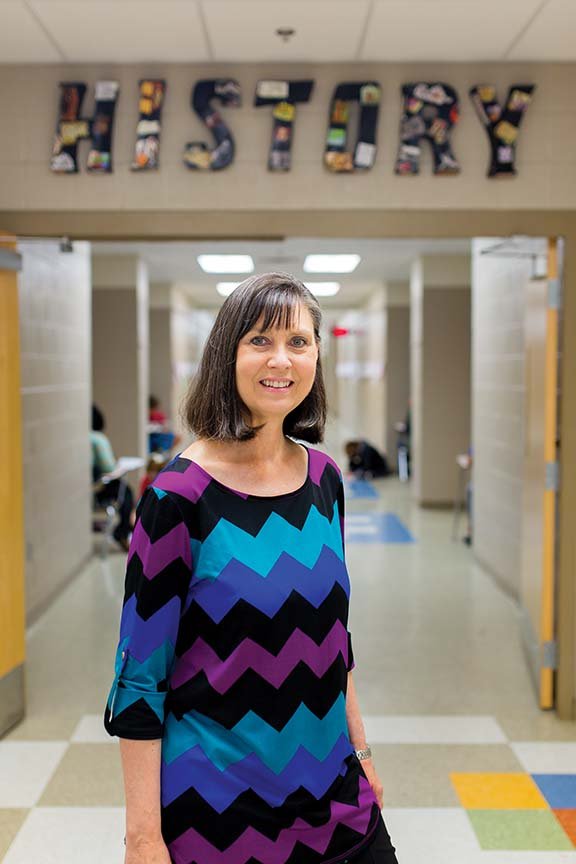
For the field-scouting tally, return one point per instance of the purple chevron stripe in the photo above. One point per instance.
(299, 647)
(146, 636)
(156, 556)
(318, 462)
(252, 844)
(238, 581)
(221, 788)
(190, 484)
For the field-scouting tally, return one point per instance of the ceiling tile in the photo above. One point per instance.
(444, 30)
(244, 30)
(551, 36)
(22, 39)
(125, 31)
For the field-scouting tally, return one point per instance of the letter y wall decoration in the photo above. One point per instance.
(336, 155)
(72, 128)
(197, 155)
(430, 111)
(502, 124)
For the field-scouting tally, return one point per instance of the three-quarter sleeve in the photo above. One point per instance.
(158, 576)
(342, 513)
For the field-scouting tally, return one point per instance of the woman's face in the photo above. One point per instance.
(279, 357)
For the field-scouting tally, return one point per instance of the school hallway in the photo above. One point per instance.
(472, 769)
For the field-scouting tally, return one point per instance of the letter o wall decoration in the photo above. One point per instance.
(337, 156)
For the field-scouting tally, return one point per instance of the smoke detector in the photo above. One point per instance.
(285, 33)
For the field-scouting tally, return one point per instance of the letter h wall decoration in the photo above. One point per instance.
(72, 128)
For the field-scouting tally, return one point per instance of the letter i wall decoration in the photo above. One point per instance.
(337, 157)
(430, 112)
(151, 99)
(197, 155)
(283, 95)
(502, 124)
(72, 128)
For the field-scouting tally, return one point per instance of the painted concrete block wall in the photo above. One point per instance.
(498, 377)
(29, 104)
(56, 395)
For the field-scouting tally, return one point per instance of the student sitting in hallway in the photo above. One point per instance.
(365, 461)
(117, 491)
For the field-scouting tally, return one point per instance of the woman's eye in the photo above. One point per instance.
(256, 337)
(301, 340)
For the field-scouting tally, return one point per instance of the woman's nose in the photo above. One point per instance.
(279, 357)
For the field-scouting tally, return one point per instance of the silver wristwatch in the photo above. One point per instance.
(364, 754)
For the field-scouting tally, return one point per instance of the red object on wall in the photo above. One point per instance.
(340, 331)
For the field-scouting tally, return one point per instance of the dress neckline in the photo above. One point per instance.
(237, 492)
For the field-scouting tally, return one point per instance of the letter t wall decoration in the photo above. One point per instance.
(284, 95)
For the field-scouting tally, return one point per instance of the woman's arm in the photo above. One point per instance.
(353, 717)
(141, 769)
(358, 739)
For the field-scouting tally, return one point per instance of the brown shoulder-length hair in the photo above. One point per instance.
(212, 407)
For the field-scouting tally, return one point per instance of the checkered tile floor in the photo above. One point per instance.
(61, 801)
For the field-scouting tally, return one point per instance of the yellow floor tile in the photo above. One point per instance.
(498, 792)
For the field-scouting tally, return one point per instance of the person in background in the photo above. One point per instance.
(365, 460)
(156, 462)
(155, 413)
(117, 491)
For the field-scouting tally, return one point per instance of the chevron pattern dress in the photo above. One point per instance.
(234, 650)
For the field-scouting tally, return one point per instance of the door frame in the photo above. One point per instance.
(246, 224)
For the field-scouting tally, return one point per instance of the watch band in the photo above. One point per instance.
(366, 753)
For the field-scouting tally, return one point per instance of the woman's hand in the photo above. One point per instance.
(147, 851)
(374, 780)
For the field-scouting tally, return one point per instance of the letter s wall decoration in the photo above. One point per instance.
(197, 155)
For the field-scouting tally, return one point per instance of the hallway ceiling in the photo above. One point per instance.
(198, 31)
(381, 261)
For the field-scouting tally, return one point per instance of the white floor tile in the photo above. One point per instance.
(91, 730)
(70, 835)
(26, 768)
(546, 757)
(431, 836)
(410, 729)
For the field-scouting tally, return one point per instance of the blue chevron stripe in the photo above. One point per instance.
(252, 734)
(277, 535)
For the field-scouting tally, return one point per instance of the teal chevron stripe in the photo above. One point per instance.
(253, 735)
(261, 552)
(159, 492)
(139, 680)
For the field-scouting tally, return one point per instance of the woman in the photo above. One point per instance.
(234, 663)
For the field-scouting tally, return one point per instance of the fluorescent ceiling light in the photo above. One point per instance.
(226, 288)
(331, 263)
(226, 263)
(323, 289)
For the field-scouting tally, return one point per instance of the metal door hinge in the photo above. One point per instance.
(554, 294)
(552, 476)
(550, 655)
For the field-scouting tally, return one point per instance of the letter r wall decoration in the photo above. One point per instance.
(430, 111)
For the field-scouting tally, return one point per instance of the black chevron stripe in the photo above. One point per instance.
(251, 692)
(244, 619)
(153, 594)
(190, 810)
